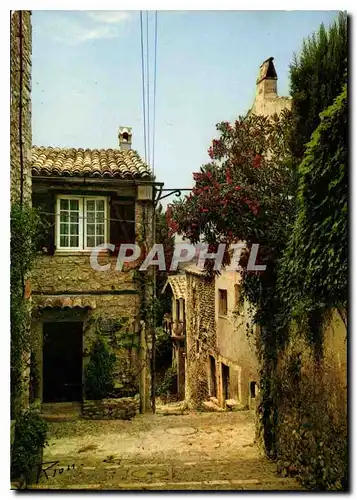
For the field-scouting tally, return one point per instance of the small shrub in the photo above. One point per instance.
(169, 384)
(30, 439)
(99, 373)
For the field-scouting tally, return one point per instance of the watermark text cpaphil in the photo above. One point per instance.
(183, 253)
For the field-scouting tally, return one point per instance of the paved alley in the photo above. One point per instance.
(192, 451)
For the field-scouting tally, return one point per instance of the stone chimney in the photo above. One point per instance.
(125, 136)
(267, 79)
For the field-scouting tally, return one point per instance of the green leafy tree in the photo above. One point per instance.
(317, 257)
(245, 193)
(317, 75)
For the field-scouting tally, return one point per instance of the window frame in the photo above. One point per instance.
(105, 222)
(220, 302)
(82, 229)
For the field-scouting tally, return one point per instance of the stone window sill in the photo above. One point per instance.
(78, 252)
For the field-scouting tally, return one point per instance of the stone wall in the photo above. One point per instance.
(269, 105)
(311, 424)
(111, 409)
(200, 336)
(20, 105)
(71, 273)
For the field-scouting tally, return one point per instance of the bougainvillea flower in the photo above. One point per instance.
(257, 161)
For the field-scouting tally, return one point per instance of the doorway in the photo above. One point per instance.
(213, 376)
(225, 381)
(62, 361)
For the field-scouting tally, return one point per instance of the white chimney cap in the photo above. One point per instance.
(125, 136)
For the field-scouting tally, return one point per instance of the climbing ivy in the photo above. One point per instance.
(316, 258)
(26, 230)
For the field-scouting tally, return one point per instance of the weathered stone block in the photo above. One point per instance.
(111, 409)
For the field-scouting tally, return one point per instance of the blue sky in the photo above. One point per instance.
(86, 77)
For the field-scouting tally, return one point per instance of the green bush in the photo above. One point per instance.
(99, 373)
(163, 347)
(30, 439)
(169, 384)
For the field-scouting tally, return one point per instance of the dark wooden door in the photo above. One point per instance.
(225, 380)
(213, 376)
(62, 361)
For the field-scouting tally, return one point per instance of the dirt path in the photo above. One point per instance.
(193, 451)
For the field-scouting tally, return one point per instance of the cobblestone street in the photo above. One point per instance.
(193, 451)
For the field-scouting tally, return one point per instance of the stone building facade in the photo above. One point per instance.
(200, 335)
(90, 198)
(236, 361)
(175, 326)
(221, 368)
(20, 106)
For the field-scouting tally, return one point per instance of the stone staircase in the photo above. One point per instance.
(61, 412)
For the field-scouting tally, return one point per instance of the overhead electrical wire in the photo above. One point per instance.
(154, 104)
(148, 83)
(143, 81)
(149, 106)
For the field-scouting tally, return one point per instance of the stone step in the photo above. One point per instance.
(233, 485)
(61, 411)
(210, 406)
(234, 405)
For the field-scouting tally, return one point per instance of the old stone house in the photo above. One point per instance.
(215, 359)
(89, 197)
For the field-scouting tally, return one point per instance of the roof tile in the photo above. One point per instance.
(49, 161)
(178, 285)
(83, 302)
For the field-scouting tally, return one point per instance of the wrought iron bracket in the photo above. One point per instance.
(176, 192)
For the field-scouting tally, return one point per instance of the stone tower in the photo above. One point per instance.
(267, 102)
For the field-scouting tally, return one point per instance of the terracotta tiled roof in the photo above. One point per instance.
(61, 302)
(89, 163)
(178, 285)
